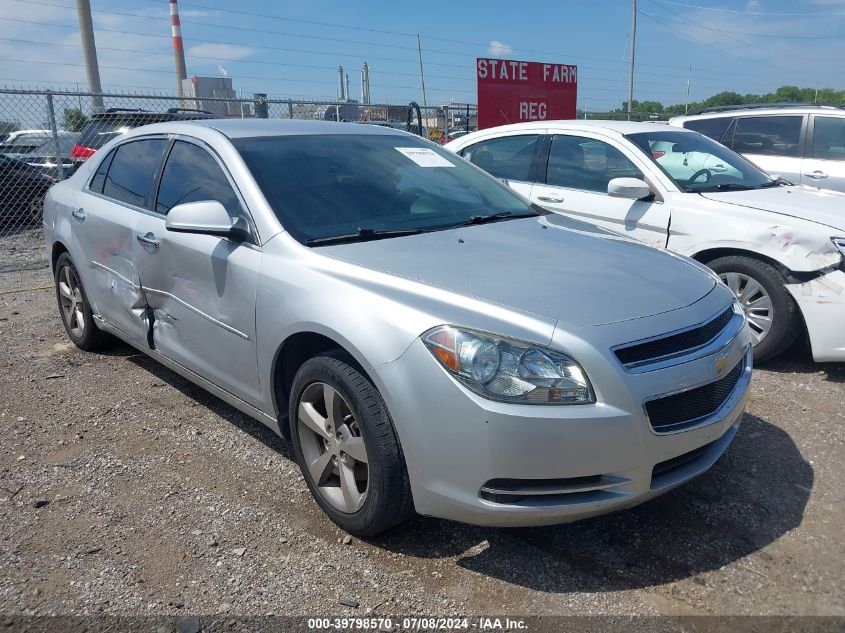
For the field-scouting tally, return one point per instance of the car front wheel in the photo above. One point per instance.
(772, 314)
(346, 446)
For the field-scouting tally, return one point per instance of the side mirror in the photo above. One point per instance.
(207, 217)
(631, 188)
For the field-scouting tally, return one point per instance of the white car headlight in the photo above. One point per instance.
(508, 370)
(839, 242)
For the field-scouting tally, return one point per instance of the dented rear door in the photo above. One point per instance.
(104, 221)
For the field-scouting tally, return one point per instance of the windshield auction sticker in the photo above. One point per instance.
(424, 157)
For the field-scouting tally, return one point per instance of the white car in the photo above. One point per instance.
(804, 144)
(780, 248)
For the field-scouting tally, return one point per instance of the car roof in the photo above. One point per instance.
(758, 111)
(244, 128)
(621, 127)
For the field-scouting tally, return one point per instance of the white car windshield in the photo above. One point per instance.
(696, 163)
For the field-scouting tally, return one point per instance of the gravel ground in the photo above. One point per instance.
(126, 490)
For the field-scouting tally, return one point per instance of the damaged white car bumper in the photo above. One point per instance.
(822, 304)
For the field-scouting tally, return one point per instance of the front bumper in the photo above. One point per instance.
(497, 464)
(822, 304)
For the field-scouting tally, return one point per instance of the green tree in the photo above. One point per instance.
(7, 126)
(75, 120)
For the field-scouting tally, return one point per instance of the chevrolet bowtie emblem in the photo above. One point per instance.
(721, 365)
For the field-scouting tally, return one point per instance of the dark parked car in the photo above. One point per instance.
(43, 158)
(22, 190)
(113, 122)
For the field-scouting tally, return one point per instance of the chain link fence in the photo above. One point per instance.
(46, 135)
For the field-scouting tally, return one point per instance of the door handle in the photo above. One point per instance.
(148, 240)
(79, 214)
(550, 199)
(816, 175)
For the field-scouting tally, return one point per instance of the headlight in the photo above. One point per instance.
(839, 242)
(507, 370)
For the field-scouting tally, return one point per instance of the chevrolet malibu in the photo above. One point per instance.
(426, 339)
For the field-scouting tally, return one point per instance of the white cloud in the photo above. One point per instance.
(752, 5)
(220, 51)
(499, 48)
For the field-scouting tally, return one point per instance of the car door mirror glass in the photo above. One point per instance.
(631, 188)
(207, 217)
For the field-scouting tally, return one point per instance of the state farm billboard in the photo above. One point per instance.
(511, 91)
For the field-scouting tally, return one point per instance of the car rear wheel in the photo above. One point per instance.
(346, 446)
(771, 311)
(74, 307)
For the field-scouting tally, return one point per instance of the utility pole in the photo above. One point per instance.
(89, 52)
(689, 79)
(633, 50)
(422, 76)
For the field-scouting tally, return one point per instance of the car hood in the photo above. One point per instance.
(542, 266)
(816, 205)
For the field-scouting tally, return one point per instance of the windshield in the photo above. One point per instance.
(363, 185)
(697, 163)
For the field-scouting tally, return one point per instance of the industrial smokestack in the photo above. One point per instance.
(341, 87)
(346, 94)
(365, 84)
(178, 50)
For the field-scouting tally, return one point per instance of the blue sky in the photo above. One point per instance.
(293, 48)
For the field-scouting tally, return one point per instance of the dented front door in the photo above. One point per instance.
(200, 292)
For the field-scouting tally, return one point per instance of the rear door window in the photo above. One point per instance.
(132, 171)
(191, 175)
(829, 138)
(714, 128)
(767, 135)
(507, 157)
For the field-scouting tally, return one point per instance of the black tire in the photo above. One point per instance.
(91, 337)
(786, 318)
(388, 499)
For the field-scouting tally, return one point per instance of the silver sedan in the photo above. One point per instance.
(427, 339)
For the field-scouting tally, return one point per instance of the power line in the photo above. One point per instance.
(341, 54)
(588, 78)
(156, 70)
(703, 43)
(722, 33)
(367, 43)
(747, 34)
(735, 11)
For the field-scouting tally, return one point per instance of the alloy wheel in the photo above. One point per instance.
(333, 447)
(755, 302)
(70, 295)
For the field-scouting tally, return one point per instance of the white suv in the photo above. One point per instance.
(805, 144)
(780, 248)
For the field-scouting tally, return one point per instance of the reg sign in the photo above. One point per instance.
(511, 91)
